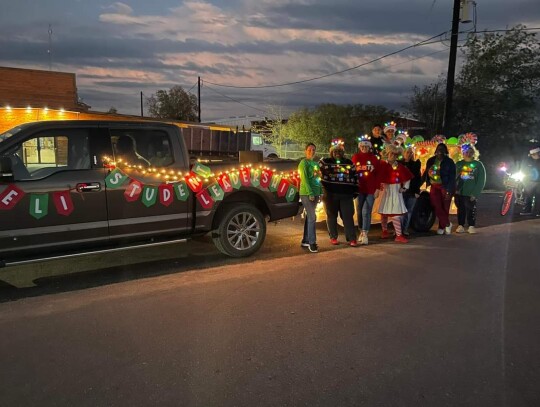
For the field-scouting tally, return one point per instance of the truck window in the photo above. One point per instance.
(50, 152)
(256, 140)
(142, 148)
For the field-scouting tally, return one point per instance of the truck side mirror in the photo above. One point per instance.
(6, 168)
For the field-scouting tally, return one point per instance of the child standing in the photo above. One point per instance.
(471, 179)
(310, 194)
(366, 165)
(395, 179)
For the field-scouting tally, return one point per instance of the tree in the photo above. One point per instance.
(498, 87)
(427, 105)
(329, 121)
(497, 90)
(112, 110)
(173, 104)
(272, 128)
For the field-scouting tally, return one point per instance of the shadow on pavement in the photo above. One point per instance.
(283, 240)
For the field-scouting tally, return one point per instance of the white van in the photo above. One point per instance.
(259, 144)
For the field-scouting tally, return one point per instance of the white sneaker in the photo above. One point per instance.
(472, 230)
(364, 239)
(448, 229)
(440, 231)
(460, 229)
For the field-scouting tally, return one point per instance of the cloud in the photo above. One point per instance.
(118, 49)
(119, 8)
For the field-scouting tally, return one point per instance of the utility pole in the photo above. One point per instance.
(142, 112)
(199, 97)
(451, 67)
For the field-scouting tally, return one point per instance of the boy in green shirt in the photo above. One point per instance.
(471, 179)
(310, 193)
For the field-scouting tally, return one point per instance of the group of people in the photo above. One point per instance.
(385, 167)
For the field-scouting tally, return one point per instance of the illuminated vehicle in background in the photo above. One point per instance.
(515, 190)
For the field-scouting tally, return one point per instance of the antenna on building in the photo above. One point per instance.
(49, 51)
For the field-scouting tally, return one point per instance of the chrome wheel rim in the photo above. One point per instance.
(243, 231)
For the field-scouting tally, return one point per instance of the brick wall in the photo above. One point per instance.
(29, 87)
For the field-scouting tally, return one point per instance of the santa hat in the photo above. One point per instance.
(337, 143)
(364, 141)
(535, 151)
(400, 139)
(389, 126)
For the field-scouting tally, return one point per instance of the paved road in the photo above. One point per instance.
(443, 321)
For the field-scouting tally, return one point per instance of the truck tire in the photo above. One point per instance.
(240, 231)
(423, 216)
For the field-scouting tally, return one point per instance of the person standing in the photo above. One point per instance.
(471, 179)
(310, 194)
(339, 186)
(366, 165)
(376, 139)
(413, 192)
(440, 174)
(395, 178)
(532, 183)
(387, 138)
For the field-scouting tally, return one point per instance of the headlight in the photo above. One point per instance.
(518, 176)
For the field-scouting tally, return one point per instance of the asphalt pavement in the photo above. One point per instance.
(441, 321)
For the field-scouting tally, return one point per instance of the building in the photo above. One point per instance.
(22, 88)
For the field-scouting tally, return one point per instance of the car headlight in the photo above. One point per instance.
(518, 176)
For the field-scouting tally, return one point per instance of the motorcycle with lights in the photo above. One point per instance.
(514, 189)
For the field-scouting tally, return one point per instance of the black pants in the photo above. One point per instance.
(466, 209)
(343, 205)
(532, 189)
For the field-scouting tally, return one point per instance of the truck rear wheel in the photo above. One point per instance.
(240, 231)
(423, 216)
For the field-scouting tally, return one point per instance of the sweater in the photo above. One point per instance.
(338, 177)
(310, 180)
(366, 168)
(471, 178)
(414, 167)
(446, 172)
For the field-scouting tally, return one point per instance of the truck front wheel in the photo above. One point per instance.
(240, 231)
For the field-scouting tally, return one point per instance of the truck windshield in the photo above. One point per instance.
(9, 133)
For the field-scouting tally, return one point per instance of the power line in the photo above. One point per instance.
(195, 84)
(421, 43)
(333, 73)
(332, 83)
(233, 99)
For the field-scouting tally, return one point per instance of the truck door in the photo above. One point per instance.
(57, 195)
(142, 201)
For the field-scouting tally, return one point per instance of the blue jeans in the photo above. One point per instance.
(364, 206)
(309, 222)
(410, 201)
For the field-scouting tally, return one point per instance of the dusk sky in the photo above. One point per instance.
(118, 49)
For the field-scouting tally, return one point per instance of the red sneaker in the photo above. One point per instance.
(385, 234)
(401, 239)
(353, 243)
(334, 242)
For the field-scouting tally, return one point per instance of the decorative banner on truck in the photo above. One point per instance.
(207, 187)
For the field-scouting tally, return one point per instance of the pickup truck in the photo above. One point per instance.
(72, 187)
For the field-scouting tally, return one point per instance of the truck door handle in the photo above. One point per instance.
(89, 187)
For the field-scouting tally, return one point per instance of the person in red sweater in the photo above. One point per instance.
(366, 165)
(394, 178)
